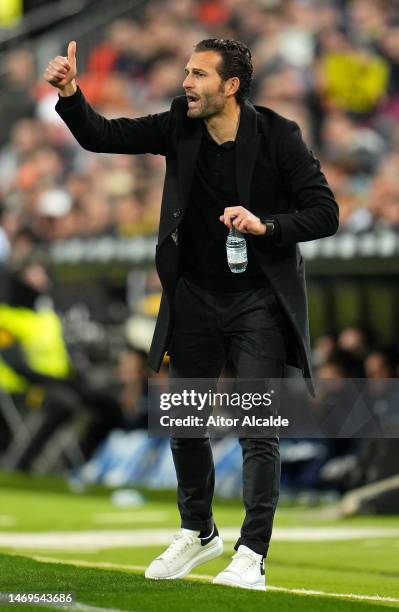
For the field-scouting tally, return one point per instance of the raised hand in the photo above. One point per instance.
(61, 71)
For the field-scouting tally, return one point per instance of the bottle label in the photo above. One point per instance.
(236, 256)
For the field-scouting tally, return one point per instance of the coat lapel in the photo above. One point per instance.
(247, 145)
(174, 206)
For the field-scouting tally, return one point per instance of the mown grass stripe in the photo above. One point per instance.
(115, 538)
(204, 577)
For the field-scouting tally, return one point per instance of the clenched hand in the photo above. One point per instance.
(242, 219)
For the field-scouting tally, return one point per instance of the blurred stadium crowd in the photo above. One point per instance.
(330, 65)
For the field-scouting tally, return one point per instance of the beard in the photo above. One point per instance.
(208, 105)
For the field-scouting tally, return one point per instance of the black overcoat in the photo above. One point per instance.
(278, 177)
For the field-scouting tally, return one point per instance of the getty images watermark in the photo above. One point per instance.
(193, 399)
(339, 408)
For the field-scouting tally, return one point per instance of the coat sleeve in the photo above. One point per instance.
(316, 212)
(95, 133)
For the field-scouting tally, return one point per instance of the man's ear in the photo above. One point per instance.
(232, 85)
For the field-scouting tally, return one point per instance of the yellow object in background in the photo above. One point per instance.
(11, 12)
(355, 81)
(39, 334)
(149, 304)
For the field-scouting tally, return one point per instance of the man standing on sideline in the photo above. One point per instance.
(227, 163)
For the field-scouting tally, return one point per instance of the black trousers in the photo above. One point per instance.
(247, 328)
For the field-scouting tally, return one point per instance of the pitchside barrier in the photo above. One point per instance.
(351, 277)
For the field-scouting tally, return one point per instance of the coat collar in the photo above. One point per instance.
(247, 143)
(248, 129)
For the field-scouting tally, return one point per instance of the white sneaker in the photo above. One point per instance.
(245, 571)
(184, 553)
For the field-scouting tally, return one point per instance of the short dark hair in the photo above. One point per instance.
(236, 62)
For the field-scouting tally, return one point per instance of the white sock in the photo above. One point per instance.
(194, 532)
(246, 549)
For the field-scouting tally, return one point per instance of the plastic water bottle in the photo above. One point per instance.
(236, 249)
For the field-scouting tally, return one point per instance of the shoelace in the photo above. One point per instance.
(180, 542)
(242, 562)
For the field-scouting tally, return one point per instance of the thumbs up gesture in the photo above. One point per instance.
(61, 71)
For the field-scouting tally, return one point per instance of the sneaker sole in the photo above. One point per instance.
(202, 557)
(231, 583)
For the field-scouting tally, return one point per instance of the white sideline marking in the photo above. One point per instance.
(87, 608)
(94, 564)
(204, 577)
(89, 540)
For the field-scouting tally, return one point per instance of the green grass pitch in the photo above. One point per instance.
(110, 577)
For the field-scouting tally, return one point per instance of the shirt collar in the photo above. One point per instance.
(229, 144)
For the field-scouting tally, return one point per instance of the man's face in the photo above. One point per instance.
(204, 88)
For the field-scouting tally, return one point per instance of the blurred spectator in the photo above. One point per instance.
(24, 138)
(119, 403)
(36, 369)
(117, 53)
(343, 357)
(332, 67)
(355, 341)
(16, 100)
(379, 364)
(34, 364)
(131, 376)
(129, 217)
(332, 368)
(323, 349)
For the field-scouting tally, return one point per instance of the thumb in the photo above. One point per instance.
(72, 51)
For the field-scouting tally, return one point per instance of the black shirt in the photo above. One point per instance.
(203, 235)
